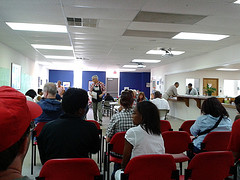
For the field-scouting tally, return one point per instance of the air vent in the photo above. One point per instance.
(82, 22)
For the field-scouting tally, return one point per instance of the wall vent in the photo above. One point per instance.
(82, 22)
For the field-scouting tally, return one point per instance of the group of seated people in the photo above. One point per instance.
(68, 135)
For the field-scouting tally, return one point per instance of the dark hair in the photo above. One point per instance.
(144, 97)
(107, 94)
(176, 83)
(157, 94)
(190, 84)
(31, 93)
(213, 107)
(7, 156)
(126, 99)
(74, 99)
(237, 100)
(150, 117)
(39, 91)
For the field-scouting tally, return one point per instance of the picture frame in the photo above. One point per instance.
(16, 76)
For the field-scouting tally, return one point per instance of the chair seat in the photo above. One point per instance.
(180, 157)
(116, 160)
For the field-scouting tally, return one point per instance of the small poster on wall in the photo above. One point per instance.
(66, 84)
(16, 76)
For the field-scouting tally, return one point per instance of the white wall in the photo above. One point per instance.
(181, 78)
(229, 55)
(30, 69)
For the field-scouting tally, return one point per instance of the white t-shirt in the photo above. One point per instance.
(144, 143)
(161, 103)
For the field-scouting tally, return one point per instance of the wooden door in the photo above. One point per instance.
(112, 86)
(213, 82)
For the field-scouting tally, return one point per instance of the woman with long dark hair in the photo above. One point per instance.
(213, 114)
(146, 137)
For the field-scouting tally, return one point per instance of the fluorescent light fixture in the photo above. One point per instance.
(161, 52)
(59, 57)
(37, 27)
(146, 60)
(237, 2)
(134, 66)
(199, 36)
(226, 69)
(79, 38)
(127, 69)
(43, 46)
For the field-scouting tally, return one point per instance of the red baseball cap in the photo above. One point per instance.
(16, 113)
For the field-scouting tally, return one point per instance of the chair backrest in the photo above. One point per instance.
(216, 141)
(176, 142)
(117, 142)
(76, 168)
(155, 166)
(38, 128)
(186, 125)
(95, 122)
(165, 126)
(163, 112)
(210, 165)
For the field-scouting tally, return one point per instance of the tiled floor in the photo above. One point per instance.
(175, 123)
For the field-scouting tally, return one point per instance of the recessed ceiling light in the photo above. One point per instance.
(161, 52)
(127, 69)
(199, 36)
(226, 69)
(37, 27)
(146, 60)
(237, 2)
(59, 57)
(79, 38)
(43, 46)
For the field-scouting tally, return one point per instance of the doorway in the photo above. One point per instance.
(112, 87)
(213, 82)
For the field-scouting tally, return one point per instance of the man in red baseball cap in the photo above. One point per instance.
(16, 114)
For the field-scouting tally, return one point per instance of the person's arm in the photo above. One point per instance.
(126, 154)
(103, 89)
(195, 129)
(91, 89)
(95, 145)
(111, 129)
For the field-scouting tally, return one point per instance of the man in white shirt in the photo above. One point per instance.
(171, 91)
(159, 101)
(191, 90)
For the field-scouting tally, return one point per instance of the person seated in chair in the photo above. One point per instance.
(51, 107)
(214, 117)
(16, 115)
(108, 97)
(70, 136)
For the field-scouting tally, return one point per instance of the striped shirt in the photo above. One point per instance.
(120, 122)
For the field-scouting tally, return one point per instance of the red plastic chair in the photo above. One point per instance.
(216, 141)
(176, 143)
(66, 169)
(36, 132)
(115, 146)
(100, 153)
(160, 167)
(209, 165)
(165, 126)
(186, 125)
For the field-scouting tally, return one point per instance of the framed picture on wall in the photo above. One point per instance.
(89, 84)
(16, 76)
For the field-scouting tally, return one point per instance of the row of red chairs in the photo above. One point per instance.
(207, 165)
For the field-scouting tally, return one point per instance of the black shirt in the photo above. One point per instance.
(68, 137)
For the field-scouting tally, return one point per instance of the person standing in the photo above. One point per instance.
(171, 91)
(191, 90)
(60, 89)
(97, 90)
